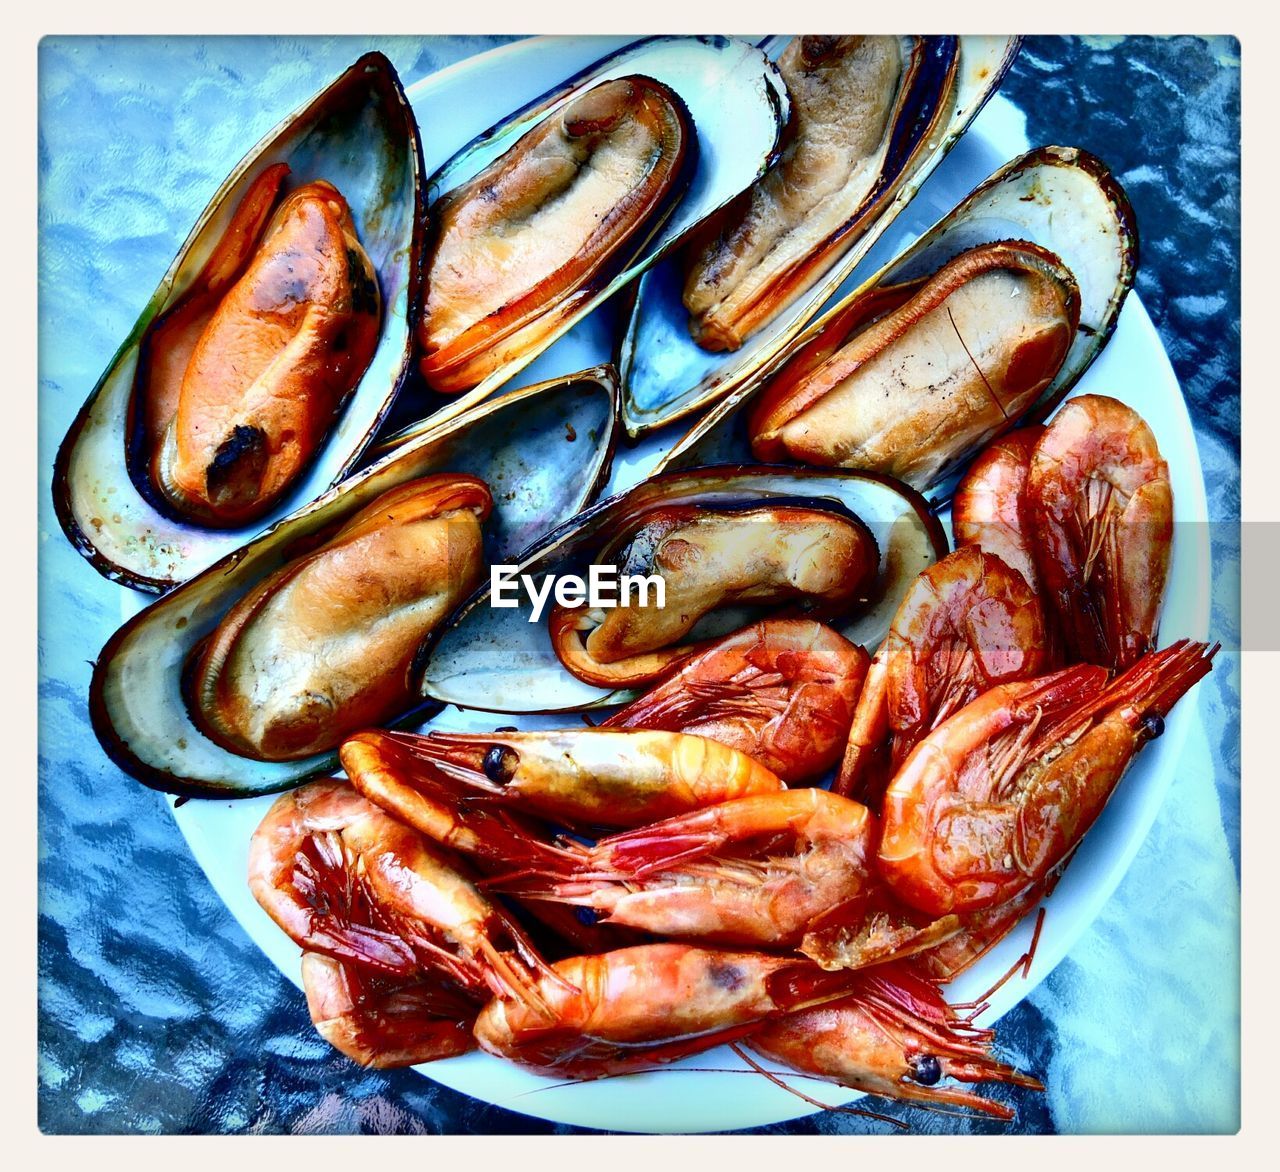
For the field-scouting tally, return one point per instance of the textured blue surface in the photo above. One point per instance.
(157, 1014)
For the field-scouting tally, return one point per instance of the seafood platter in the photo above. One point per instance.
(903, 641)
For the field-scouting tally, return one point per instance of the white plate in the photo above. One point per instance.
(723, 1094)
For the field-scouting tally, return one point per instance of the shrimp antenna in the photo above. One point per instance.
(843, 1108)
(1035, 943)
(980, 1004)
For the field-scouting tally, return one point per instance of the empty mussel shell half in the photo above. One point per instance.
(705, 319)
(494, 658)
(343, 174)
(1052, 228)
(737, 104)
(543, 453)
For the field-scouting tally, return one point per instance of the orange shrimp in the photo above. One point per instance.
(345, 880)
(989, 507)
(996, 797)
(967, 623)
(895, 1037)
(641, 1007)
(755, 871)
(782, 691)
(591, 776)
(381, 1021)
(1101, 504)
(385, 771)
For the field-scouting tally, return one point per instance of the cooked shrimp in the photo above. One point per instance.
(967, 623)
(996, 797)
(1102, 509)
(989, 508)
(591, 776)
(386, 770)
(639, 1007)
(757, 870)
(895, 1037)
(782, 691)
(387, 773)
(645, 1006)
(345, 880)
(381, 1021)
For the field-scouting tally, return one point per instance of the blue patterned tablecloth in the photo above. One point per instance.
(157, 1014)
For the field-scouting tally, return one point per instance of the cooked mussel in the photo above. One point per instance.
(808, 556)
(986, 321)
(872, 118)
(516, 247)
(245, 389)
(860, 541)
(725, 89)
(240, 381)
(323, 646)
(231, 684)
(912, 377)
(849, 98)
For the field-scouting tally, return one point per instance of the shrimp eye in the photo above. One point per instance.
(500, 764)
(925, 1069)
(1152, 725)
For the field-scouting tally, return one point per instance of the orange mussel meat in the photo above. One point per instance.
(518, 247)
(240, 382)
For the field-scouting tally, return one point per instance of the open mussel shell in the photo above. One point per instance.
(738, 105)
(496, 659)
(544, 451)
(1060, 198)
(358, 134)
(666, 375)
